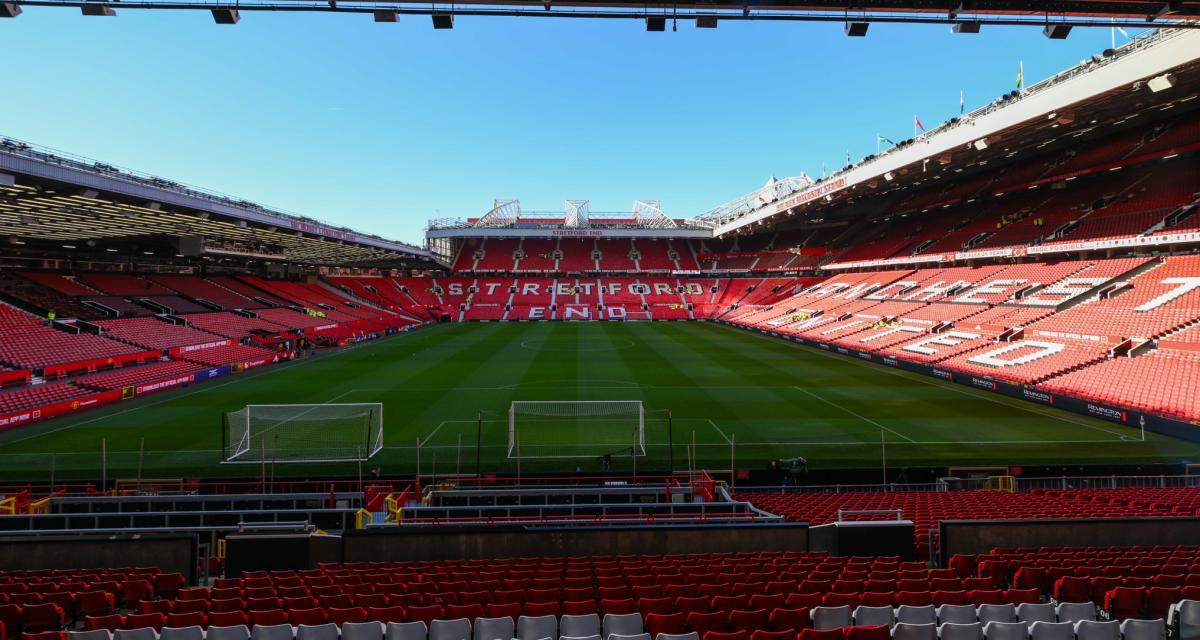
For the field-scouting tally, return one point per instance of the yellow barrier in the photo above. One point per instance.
(1001, 483)
(362, 519)
(221, 548)
(40, 507)
(8, 506)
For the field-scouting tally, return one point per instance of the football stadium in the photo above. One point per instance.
(947, 390)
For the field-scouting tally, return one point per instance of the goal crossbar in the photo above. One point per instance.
(302, 433)
(562, 429)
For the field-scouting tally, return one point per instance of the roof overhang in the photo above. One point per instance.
(1137, 62)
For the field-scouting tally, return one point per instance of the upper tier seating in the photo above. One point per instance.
(61, 283)
(259, 297)
(539, 255)
(314, 297)
(498, 255)
(153, 333)
(203, 289)
(655, 255)
(48, 300)
(121, 284)
(26, 342)
(577, 255)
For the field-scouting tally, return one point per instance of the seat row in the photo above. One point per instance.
(631, 628)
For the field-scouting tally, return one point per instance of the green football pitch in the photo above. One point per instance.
(730, 392)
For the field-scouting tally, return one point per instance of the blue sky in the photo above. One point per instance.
(383, 126)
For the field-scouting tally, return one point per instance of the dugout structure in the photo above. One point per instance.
(310, 433)
(576, 429)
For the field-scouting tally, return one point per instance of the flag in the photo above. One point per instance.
(887, 140)
(961, 106)
(917, 121)
(1021, 76)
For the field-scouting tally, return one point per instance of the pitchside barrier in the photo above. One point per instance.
(1129, 417)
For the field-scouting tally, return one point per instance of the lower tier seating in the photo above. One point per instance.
(132, 376)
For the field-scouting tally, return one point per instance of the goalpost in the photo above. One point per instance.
(302, 433)
(576, 429)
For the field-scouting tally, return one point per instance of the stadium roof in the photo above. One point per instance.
(55, 203)
(1160, 71)
(1064, 13)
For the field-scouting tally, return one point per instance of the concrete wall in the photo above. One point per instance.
(485, 542)
(980, 536)
(170, 552)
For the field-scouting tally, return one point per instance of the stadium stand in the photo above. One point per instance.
(27, 343)
(231, 325)
(229, 354)
(38, 396)
(1006, 593)
(153, 333)
(199, 288)
(928, 508)
(132, 376)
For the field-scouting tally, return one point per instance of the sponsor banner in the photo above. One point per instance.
(1157, 424)
(685, 272)
(257, 362)
(163, 385)
(984, 253)
(200, 347)
(29, 416)
(825, 188)
(92, 365)
(577, 233)
(1117, 243)
(886, 262)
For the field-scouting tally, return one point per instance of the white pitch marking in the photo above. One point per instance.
(856, 415)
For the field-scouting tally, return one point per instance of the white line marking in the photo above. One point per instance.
(435, 430)
(714, 425)
(856, 415)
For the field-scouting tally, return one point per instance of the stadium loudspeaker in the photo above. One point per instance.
(857, 29)
(443, 20)
(98, 10)
(387, 16)
(189, 246)
(966, 26)
(1161, 83)
(9, 10)
(706, 22)
(656, 23)
(980, 144)
(226, 16)
(1057, 31)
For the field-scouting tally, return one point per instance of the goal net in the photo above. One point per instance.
(302, 433)
(576, 429)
